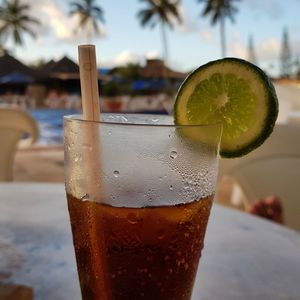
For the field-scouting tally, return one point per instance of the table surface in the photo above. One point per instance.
(244, 257)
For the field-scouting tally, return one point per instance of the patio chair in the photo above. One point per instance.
(272, 169)
(17, 130)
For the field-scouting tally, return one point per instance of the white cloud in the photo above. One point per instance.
(207, 35)
(152, 54)
(61, 24)
(121, 59)
(126, 57)
(269, 49)
(237, 48)
(57, 22)
(187, 24)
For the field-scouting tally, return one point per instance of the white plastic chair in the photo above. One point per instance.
(272, 169)
(17, 129)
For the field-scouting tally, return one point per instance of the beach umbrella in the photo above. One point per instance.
(16, 77)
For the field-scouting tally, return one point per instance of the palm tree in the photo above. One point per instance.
(89, 15)
(15, 21)
(219, 11)
(160, 12)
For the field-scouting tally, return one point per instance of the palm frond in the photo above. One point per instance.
(218, 9)
(16, 20)
(17, 37)
(159, 11)
(88, 13)
(146, 18)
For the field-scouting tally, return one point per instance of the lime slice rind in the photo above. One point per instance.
(234, 92)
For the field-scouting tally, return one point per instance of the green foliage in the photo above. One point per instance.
(111, 89)
(15, 21)
(219, 9)
(159, 11)
(128, 73)
(89, 13)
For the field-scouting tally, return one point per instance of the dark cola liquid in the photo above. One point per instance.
(138, 253)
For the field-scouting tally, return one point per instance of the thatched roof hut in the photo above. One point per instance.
(155, 68)
(63, 69)
(10, 65)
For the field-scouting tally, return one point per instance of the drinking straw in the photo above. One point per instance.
(91, 112)
(89, 82)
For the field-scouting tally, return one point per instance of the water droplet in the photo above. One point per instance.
(77, 158)
(87, 147)
(116, 173)
(124, 118)
(109, 133)
(171, 187)
(85, 197)
(173, 154)
(155, 120)
(186, 185)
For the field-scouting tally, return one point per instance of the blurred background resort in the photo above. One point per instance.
(145, 50)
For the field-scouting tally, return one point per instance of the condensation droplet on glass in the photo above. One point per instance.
(85, 197)
(124, 118)
(173, 154)
(116, 173)
(186, 185)
(87, 146)
(171, 187)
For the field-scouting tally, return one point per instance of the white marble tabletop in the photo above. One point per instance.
(244, 257)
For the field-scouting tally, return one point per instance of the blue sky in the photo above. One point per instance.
(191, 44)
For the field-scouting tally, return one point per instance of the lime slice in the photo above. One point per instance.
(235, 93)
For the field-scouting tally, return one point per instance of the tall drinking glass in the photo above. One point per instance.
(139, 193)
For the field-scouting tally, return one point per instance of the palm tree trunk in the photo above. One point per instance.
(164, 42)
(165, 49)
(222, 35)
(89, 34)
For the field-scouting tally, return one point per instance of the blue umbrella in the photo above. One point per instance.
(150, 84)
(16, 77)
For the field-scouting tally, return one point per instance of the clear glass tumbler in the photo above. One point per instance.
(139, 193)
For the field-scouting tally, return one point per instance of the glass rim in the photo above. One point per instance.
(79, 118)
